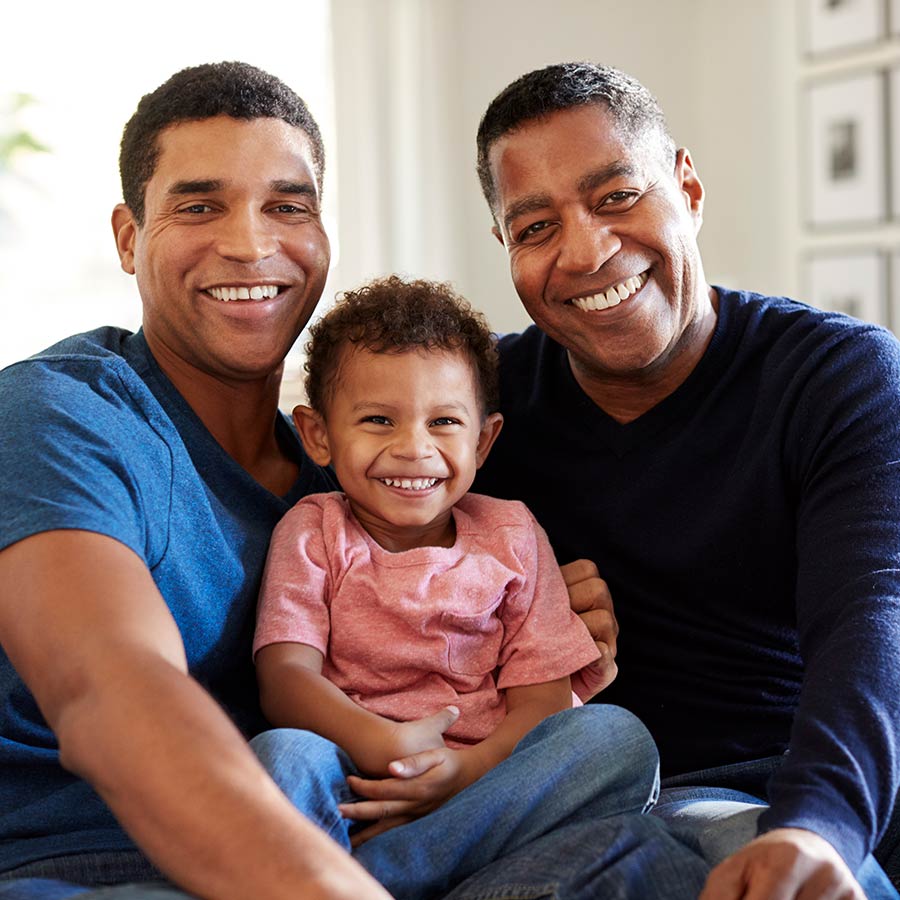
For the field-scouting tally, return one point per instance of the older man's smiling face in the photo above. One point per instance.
(601, 233)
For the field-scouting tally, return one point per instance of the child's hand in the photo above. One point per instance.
(413, 737)
(397, 740)
(421, 783)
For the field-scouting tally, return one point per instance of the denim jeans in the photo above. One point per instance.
(707, 810)
(113, 875)
(625, 857)
(581, 765)
(562, 818)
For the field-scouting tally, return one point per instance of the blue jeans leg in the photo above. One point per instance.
(719, 821)
(579, 765)
(626, 857)
(312, 772)
(105, 875)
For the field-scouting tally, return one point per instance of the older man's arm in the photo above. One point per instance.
(84, 625)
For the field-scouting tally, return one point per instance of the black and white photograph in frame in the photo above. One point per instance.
(852, 282)
(837, 24)
(845, 151)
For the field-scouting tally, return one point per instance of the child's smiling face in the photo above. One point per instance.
(405, 433)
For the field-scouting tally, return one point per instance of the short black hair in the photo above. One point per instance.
(393, 315)
(233, 89)
(562, 86)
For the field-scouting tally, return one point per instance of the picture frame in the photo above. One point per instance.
(846, 166)
(894, 126)
(838, 24)
(852, 281)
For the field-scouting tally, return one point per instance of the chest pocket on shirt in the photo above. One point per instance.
(474, 641)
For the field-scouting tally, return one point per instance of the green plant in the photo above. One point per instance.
(14, 138)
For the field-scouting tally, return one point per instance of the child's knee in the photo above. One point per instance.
(278, 746)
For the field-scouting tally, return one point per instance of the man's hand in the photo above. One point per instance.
(783, 864)
(421, 783)
(589, 597)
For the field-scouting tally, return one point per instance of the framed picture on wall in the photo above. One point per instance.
(837, 24)
(894, 119)
(845, 151)
(851, 281)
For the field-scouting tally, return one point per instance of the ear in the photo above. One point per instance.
(495, 231)
(125, 231)
(690, 185)
(490, 428)
(313, 433)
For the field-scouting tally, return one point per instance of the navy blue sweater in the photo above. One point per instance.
(749, 529)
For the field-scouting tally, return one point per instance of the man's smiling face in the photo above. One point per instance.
(231, 259)
(601, 233)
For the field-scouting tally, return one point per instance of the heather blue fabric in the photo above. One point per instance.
(97, 438)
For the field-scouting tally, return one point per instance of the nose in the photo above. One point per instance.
(586, 246)
(246, 235)
(412, 442)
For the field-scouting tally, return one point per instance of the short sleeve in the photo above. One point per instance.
(80, 451)
(544, 638)
(296, 586)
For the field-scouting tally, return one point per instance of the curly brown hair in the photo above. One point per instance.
(393, 315)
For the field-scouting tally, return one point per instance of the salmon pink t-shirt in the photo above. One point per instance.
(406, 634)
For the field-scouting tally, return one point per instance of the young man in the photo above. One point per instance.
(141, 477)
(727, 460)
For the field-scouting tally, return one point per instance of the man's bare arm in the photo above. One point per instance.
(85, 626)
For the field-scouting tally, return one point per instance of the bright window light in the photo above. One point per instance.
(84, 67)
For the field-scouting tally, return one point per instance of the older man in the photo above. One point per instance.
(729, 461)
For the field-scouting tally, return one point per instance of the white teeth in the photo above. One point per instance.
(410, 484)
(257, 292)
(612, 296)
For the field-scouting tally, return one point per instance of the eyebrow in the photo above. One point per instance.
(211, 185)
(196, 187)
(390, 407)
(534, 202)
(303, 188)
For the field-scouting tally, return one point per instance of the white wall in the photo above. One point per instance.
(723, 70)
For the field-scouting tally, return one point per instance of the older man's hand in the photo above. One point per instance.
(590, 598)
(783, 864)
